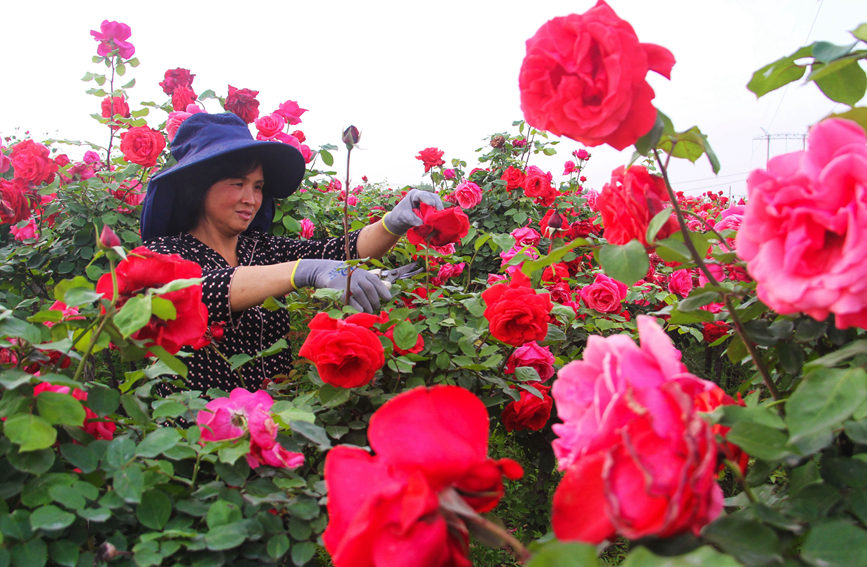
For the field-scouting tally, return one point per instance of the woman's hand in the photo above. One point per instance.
(366, 289)
(402, 217)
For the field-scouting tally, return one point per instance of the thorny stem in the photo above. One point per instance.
(739, 327)
(526, 155)
(348, 294)
(111, 94)
(81, 363)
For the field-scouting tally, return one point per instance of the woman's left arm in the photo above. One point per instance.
(375, 240)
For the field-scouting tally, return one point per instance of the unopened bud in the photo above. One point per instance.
(350, 137)
(108, 238)
(498, 141)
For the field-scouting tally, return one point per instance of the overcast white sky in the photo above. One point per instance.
(412, 75)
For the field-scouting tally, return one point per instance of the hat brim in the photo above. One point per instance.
(283, 168)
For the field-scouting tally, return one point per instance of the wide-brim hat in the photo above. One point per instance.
(200, 142)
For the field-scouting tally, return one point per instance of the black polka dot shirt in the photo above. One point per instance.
(252, 330)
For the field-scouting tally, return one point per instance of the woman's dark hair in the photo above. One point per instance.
(189, 205)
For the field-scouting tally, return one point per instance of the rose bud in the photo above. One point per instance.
(108, 238)
(350, 137)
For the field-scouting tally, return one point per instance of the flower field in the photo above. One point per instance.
(574, 372)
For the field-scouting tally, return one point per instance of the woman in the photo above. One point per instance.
(214, 207)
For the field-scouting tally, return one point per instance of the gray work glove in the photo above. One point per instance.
(402, 217)
(366, 289)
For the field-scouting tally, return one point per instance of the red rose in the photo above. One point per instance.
(243, 103)
(553, 224)
(708, 401)
(14, 204)
(346, 354)
(515, 312)
(537, 184)
(31, 162)
(584, 77)
(431, 157)
(605, 294)
(713, 330)
(176, 78)
(143, 269)
(629, 202)
(513, 177)
(440, 227)
(183, 97)
(531, 411)
(271, 125)
(142, 145)
(113, 106)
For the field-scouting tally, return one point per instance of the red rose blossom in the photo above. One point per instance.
(531, 411)
(629, 202)
(14, 203)
(243, 103)
(175, 78)
(142, 145)
(31, 161)
(183, 97)
(584, 77)
(513, 177)
(114, 106)
(431, 157)
(346, 354)
(143, 269)
(516, 312)
(441, 227)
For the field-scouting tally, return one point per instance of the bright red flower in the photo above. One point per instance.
(143, 269)
(531, 411)
(384, 509)
(346, 354)
(440, 227)
(516, 312)
(142, 145)
(291, 112)
(182, 97)
(31, 161)
(243, 103)
(629, 202)
(14, 202)
(93, 424)
(431, 157)
(584, 77)
(113, 106)
(175, 78)
(513, 177)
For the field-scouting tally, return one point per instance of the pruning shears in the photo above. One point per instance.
(388, 277)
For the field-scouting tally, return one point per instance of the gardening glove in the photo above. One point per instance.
(366, 289)
(402, 217)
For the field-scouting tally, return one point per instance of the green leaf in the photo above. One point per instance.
(847, 83)
(860, 32)
(405, 335)
(60, 409)
(627, 263)
(30, 432)
(564, 554)
(129, 483)
(691, 145)
(759, 440)
(154, 510)
(698, 299)
(35, 462)
(12, 378)
(63, 552)
(157, 442)
(326, 156)
(163, 308)
(226, 536)
(555, 256)
(80, 456)
(779, 73)
(102, 400)
(650, 140)
(750, 541)
(222, 513)
(302, 553)
(176, 285)
(657, 222)
(312, 432)
(835, 544)
(33, 553)
(825, 52)
(333, 396)
(134, 315)
(173, 362)
(704, 556)
(50, 518)
(824, 400)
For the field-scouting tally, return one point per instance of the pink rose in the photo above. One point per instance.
(26, 232)
(448, 174)
(680, 282)
(91, 157)
(605, 294)
(467, 194)
(535, 356)
(448, 271)
(113, 35)
(176, 118)
(526, 236)
(584, 77)
(568, 167)
(307, 228)
(805, 224)
(291, 112)
(271, 125)
(633, 443)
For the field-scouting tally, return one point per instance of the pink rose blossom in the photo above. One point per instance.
(91, 156)
(448, 271)
(449, 174)
(496, 278)
(291, 112)
(271, 125)
(5, 162)
(581, 154)
(680, 282)
(307, 228)
(526, 236)
(527, 251)
(716, 271)
(113, 35)
(467, 194)
(531, 354)
(26, 232)
(69, 313)
(605, 294)
(568, 167)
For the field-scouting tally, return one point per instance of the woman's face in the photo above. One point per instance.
(231, 204)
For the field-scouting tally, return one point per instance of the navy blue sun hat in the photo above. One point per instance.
(201, 141)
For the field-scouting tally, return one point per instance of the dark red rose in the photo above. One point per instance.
(31, 162)
(143, 269)
(345, 353)
(713, 330)
(431, 157)
(628, 203)
(440, 227)
(142, 145)
(14, 202)
(176, 78)
(513, 177)
(708, 401)
(584, 77)
(182, 97)
(516, 312)
(243, 103)
(530, 412)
